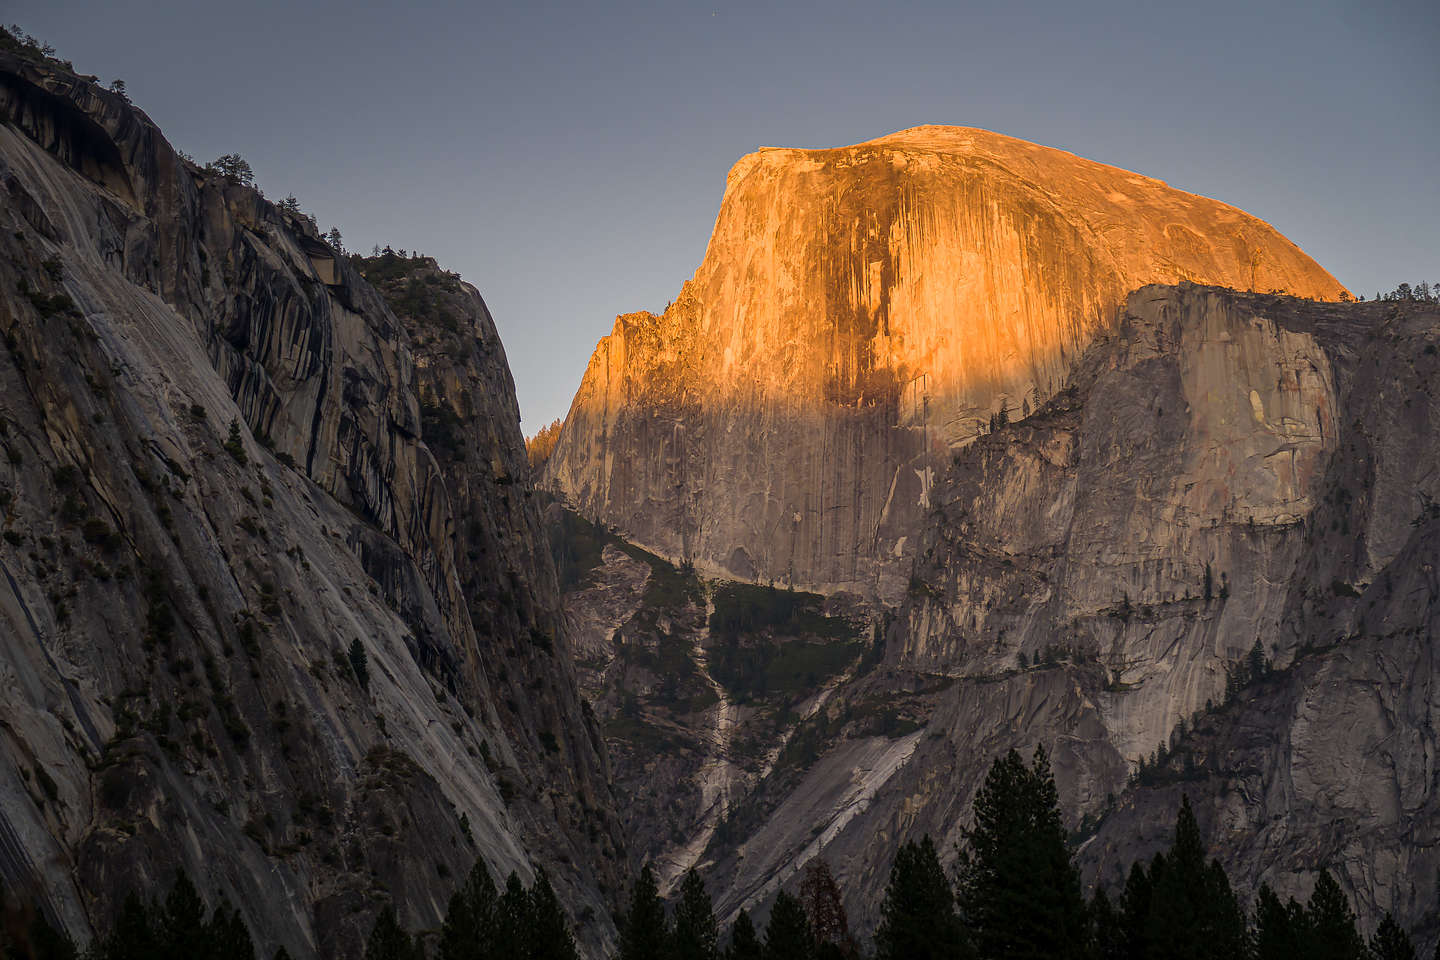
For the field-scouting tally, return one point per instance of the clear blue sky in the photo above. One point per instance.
(568, 159)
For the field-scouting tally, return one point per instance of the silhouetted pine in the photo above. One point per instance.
(1015, 870)
(388, 940)
(1135, 910)
(820, 895)
(744, 943)
(1019, 891)
(1390, 941)
(227, 937)
(1332, 934)
(282, 954)
(549, 933)
(133, 936)
(174, 927)
(1275, 936)
(182, 920)
(1193, 912)
(788, 935)
(644, 934)
(1107, 931)
(917, 918)
(696, 935)
(512, 920)
(469, 927)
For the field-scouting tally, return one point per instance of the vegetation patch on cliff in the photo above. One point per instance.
(750, 660)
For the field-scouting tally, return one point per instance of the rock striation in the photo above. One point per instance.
(233, 473)
(1218, 469)
(860, 312)
(1227, 476)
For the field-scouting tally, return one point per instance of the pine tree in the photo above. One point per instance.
(227, 935)
(512, 920)
(644, 934)
(1256, 663)
(468, 929)
(388, 940)
(1135, 908)
(1019, 889)
(1107, 928)
(549, 935)
(1390, 941)
(234, 168)
(917, 917)
(1275, 934)
(744, 943)
(788, 935)
(360, 663)
(826, 909)
(234, 445)
(1331, 934)
(182, 919)
(696, 935)
(133, 937)
(1193, 912)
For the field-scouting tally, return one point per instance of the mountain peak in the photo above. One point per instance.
(878, 304)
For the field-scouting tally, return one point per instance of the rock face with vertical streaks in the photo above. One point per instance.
(1220, 469)
(859, 311)
(228, 462)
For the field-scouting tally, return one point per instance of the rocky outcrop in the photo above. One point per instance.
(1226, 471)
(860, 312)
(1327, 760)
(699, 687)
(229, 463)
(1218, 469)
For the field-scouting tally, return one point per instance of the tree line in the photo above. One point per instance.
(172, 927)
(1422, 292)
(481, 922)
(1014, 894)
(539, 447)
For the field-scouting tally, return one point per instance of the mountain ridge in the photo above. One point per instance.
(1220, 468)
(859, 311)
(233, 472)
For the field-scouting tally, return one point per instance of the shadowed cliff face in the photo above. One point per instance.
(1328, 762)
(220, 471)
(858, 312)
(1219, 468)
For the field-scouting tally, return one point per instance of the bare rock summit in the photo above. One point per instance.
(859, 312)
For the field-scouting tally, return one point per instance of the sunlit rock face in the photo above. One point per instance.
(859, 310)
(224, 459)
(1220, 468)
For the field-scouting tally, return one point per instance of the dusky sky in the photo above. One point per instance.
(568, 158)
